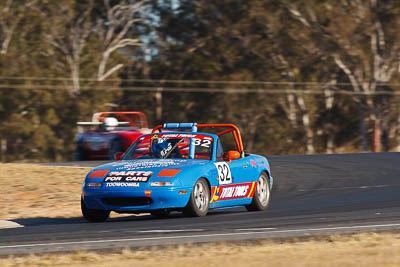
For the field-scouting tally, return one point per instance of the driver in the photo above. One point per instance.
(165, 148)
(160, 147)
(109, 124)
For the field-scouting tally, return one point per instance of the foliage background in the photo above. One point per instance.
(295, 76)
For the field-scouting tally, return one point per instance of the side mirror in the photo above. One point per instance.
(231, 155)
(118, 156)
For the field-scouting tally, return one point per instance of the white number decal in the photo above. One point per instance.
(203, 143)
(206, 143)
(224, 173)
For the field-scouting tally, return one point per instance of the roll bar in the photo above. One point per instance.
(194, 128)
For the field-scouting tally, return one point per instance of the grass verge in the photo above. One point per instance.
(368, 249)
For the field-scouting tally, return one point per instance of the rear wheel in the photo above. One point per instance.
(93, 215)
(261, 196)
(199, 199)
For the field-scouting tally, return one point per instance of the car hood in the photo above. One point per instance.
(154, 165)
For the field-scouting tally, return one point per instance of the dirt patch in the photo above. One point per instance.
(40, 191)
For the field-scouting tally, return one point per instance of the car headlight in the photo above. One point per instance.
(161, 184)
(93, 184)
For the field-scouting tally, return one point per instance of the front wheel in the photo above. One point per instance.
(93, 215)
(199, 199)
(261, 197)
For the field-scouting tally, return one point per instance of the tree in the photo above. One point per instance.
(11, 13)
(53, 40)
(114, 30)
(75, 26)
(360, 38)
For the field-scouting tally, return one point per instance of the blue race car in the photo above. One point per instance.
(179, 170)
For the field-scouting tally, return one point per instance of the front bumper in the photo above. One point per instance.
(136, 200)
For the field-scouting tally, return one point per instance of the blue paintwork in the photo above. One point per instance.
(183, 125)
(244, 170)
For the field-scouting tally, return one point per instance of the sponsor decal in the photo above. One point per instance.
(127, 178)
(224, 173)
(252, 190)
(187, 135)
(121, 184)
(234, 191)
(237, 191)
(98, 173)
(179, 135)
(214, 193)
(168, 172)
(169, 135)
(253, 163)
(142, 164)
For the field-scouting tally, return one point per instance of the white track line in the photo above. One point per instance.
(9, 224)
(168, 231)
(199, 236)
(254, 229)
(344, 188)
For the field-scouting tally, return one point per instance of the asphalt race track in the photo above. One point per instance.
(314, 195)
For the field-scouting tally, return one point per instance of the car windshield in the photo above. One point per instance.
(171, 145)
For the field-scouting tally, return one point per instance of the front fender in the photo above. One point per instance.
(191, 174)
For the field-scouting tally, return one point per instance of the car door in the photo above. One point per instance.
(236, 182)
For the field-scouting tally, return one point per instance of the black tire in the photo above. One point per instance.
(199, 200)
(93, 215)
(262, 194)
(116, 146)
(160, 213)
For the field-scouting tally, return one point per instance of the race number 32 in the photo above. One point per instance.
(224, 173)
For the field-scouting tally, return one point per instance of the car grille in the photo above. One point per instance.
(127, 201)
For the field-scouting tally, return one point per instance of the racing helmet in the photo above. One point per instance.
(110, 123)
(159, 147)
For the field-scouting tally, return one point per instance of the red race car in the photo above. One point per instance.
(109, 133)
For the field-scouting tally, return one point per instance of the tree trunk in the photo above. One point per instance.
(3, 150)
(329, 127)
(377, 135)
(252, 131)
(397, 136)
(397, 148)
(291, 110)
(75, 79)
(158, 97)
(307, 125)
(364, 144)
